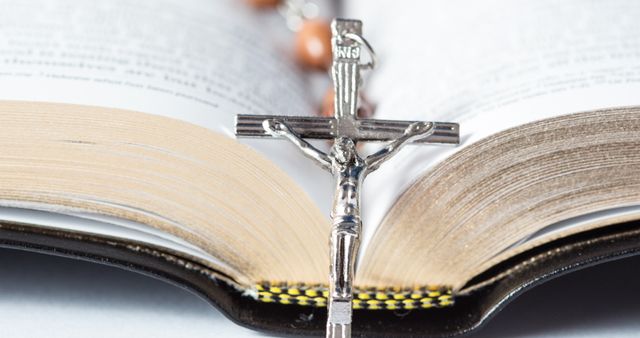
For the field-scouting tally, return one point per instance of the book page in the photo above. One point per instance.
(491, 65)
(199, 61)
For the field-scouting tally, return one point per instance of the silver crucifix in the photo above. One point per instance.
(343, 161)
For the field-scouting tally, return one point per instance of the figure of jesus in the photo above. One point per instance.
(349, 170)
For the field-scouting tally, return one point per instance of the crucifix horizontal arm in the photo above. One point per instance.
(326, 128)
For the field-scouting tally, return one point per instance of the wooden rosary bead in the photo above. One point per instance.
(263, 4)
(313, 44)
(365, 108)
(327, 108)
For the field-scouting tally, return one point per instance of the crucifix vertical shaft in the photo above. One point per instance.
(345, 216)
(343, 161)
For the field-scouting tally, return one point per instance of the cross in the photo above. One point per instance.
(343, 160)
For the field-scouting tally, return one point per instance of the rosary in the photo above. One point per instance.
(343, 161)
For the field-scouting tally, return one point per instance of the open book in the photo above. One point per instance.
(116, 145)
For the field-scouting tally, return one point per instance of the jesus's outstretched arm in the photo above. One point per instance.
(280, 129)
(414, 131)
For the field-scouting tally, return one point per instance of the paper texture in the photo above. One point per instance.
(491, 65)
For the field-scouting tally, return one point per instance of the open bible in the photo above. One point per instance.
(117, 146)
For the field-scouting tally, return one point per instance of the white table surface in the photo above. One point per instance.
(43, 296)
